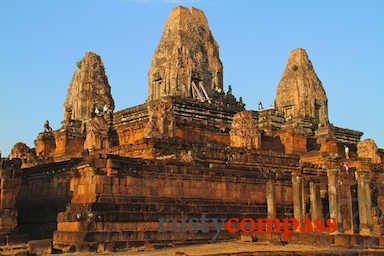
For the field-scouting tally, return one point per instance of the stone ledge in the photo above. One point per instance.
(39, 247)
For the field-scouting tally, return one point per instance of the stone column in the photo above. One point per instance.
(334, 196)
(271, 199)
(364, 202)
(298, 195)
(315, 201)
(303, 206)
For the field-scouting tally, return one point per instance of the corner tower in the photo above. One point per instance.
(89, 90)
(186, 62)
(300, 94)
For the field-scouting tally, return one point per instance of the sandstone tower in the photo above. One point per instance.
(89, 90)
(104, 181)
(186, 62)
(300, 94)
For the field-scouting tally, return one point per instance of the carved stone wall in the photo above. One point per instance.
(121, 210)
(161, 121)
(45, 144)
(97, 134)
(22, 151)
(368, 149)
(294, 140)
(244, 132)
(44, 192)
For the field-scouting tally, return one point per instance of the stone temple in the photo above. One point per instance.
(104, 179)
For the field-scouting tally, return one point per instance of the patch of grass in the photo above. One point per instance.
(295, 67)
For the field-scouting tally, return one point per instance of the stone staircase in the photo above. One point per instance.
(130, 222)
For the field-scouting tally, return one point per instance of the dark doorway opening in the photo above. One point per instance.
(355, 209)
(325, 204)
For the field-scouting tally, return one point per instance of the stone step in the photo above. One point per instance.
(170, 206)
(68, 237)
(13, 239)
(19, 249)
(134, 216)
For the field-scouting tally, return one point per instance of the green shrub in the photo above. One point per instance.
(78, 64)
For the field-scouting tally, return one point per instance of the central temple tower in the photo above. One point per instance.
(186, 62)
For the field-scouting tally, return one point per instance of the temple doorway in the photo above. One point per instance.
(325, 208)
(355, 209)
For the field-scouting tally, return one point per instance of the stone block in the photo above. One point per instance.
(7, 203)
(130, 181)
(17, 239)
(68, 249)
(98, 188)
(381, 240)
(100, 163)
(123, 182)
(112, 163)
(375, 220)
(82, 248)
(342, 239)
(276, 240)
(82, 189)
(3, 241)
(111, 172)
(115, 189)
(138, 182)
(67, 226)
(101, 248)
(368, 241)
(115, 181)
(107, 189)
(355, 240)
(246, 238)
(10, 183)
(40, 247)
(122, 189)
(5, 173)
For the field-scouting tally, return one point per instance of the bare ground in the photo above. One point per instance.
(238, 248)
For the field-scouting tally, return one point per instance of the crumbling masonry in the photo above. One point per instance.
(104, 179)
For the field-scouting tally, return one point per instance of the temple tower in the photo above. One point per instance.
(186, 62)
(300, 94)
(89, 90)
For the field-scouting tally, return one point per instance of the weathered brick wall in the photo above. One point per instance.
(45, 144)
(67, 144)
(294, 142)
(126, 207)
(44, 192)
(117, 202)
(202, 135)
(130, 133)
(270, 142)
(10, 180)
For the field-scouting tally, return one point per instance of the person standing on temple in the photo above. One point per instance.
(260, 106)
(346, 150)
(229, 90)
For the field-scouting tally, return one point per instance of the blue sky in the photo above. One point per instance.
(42, 40)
